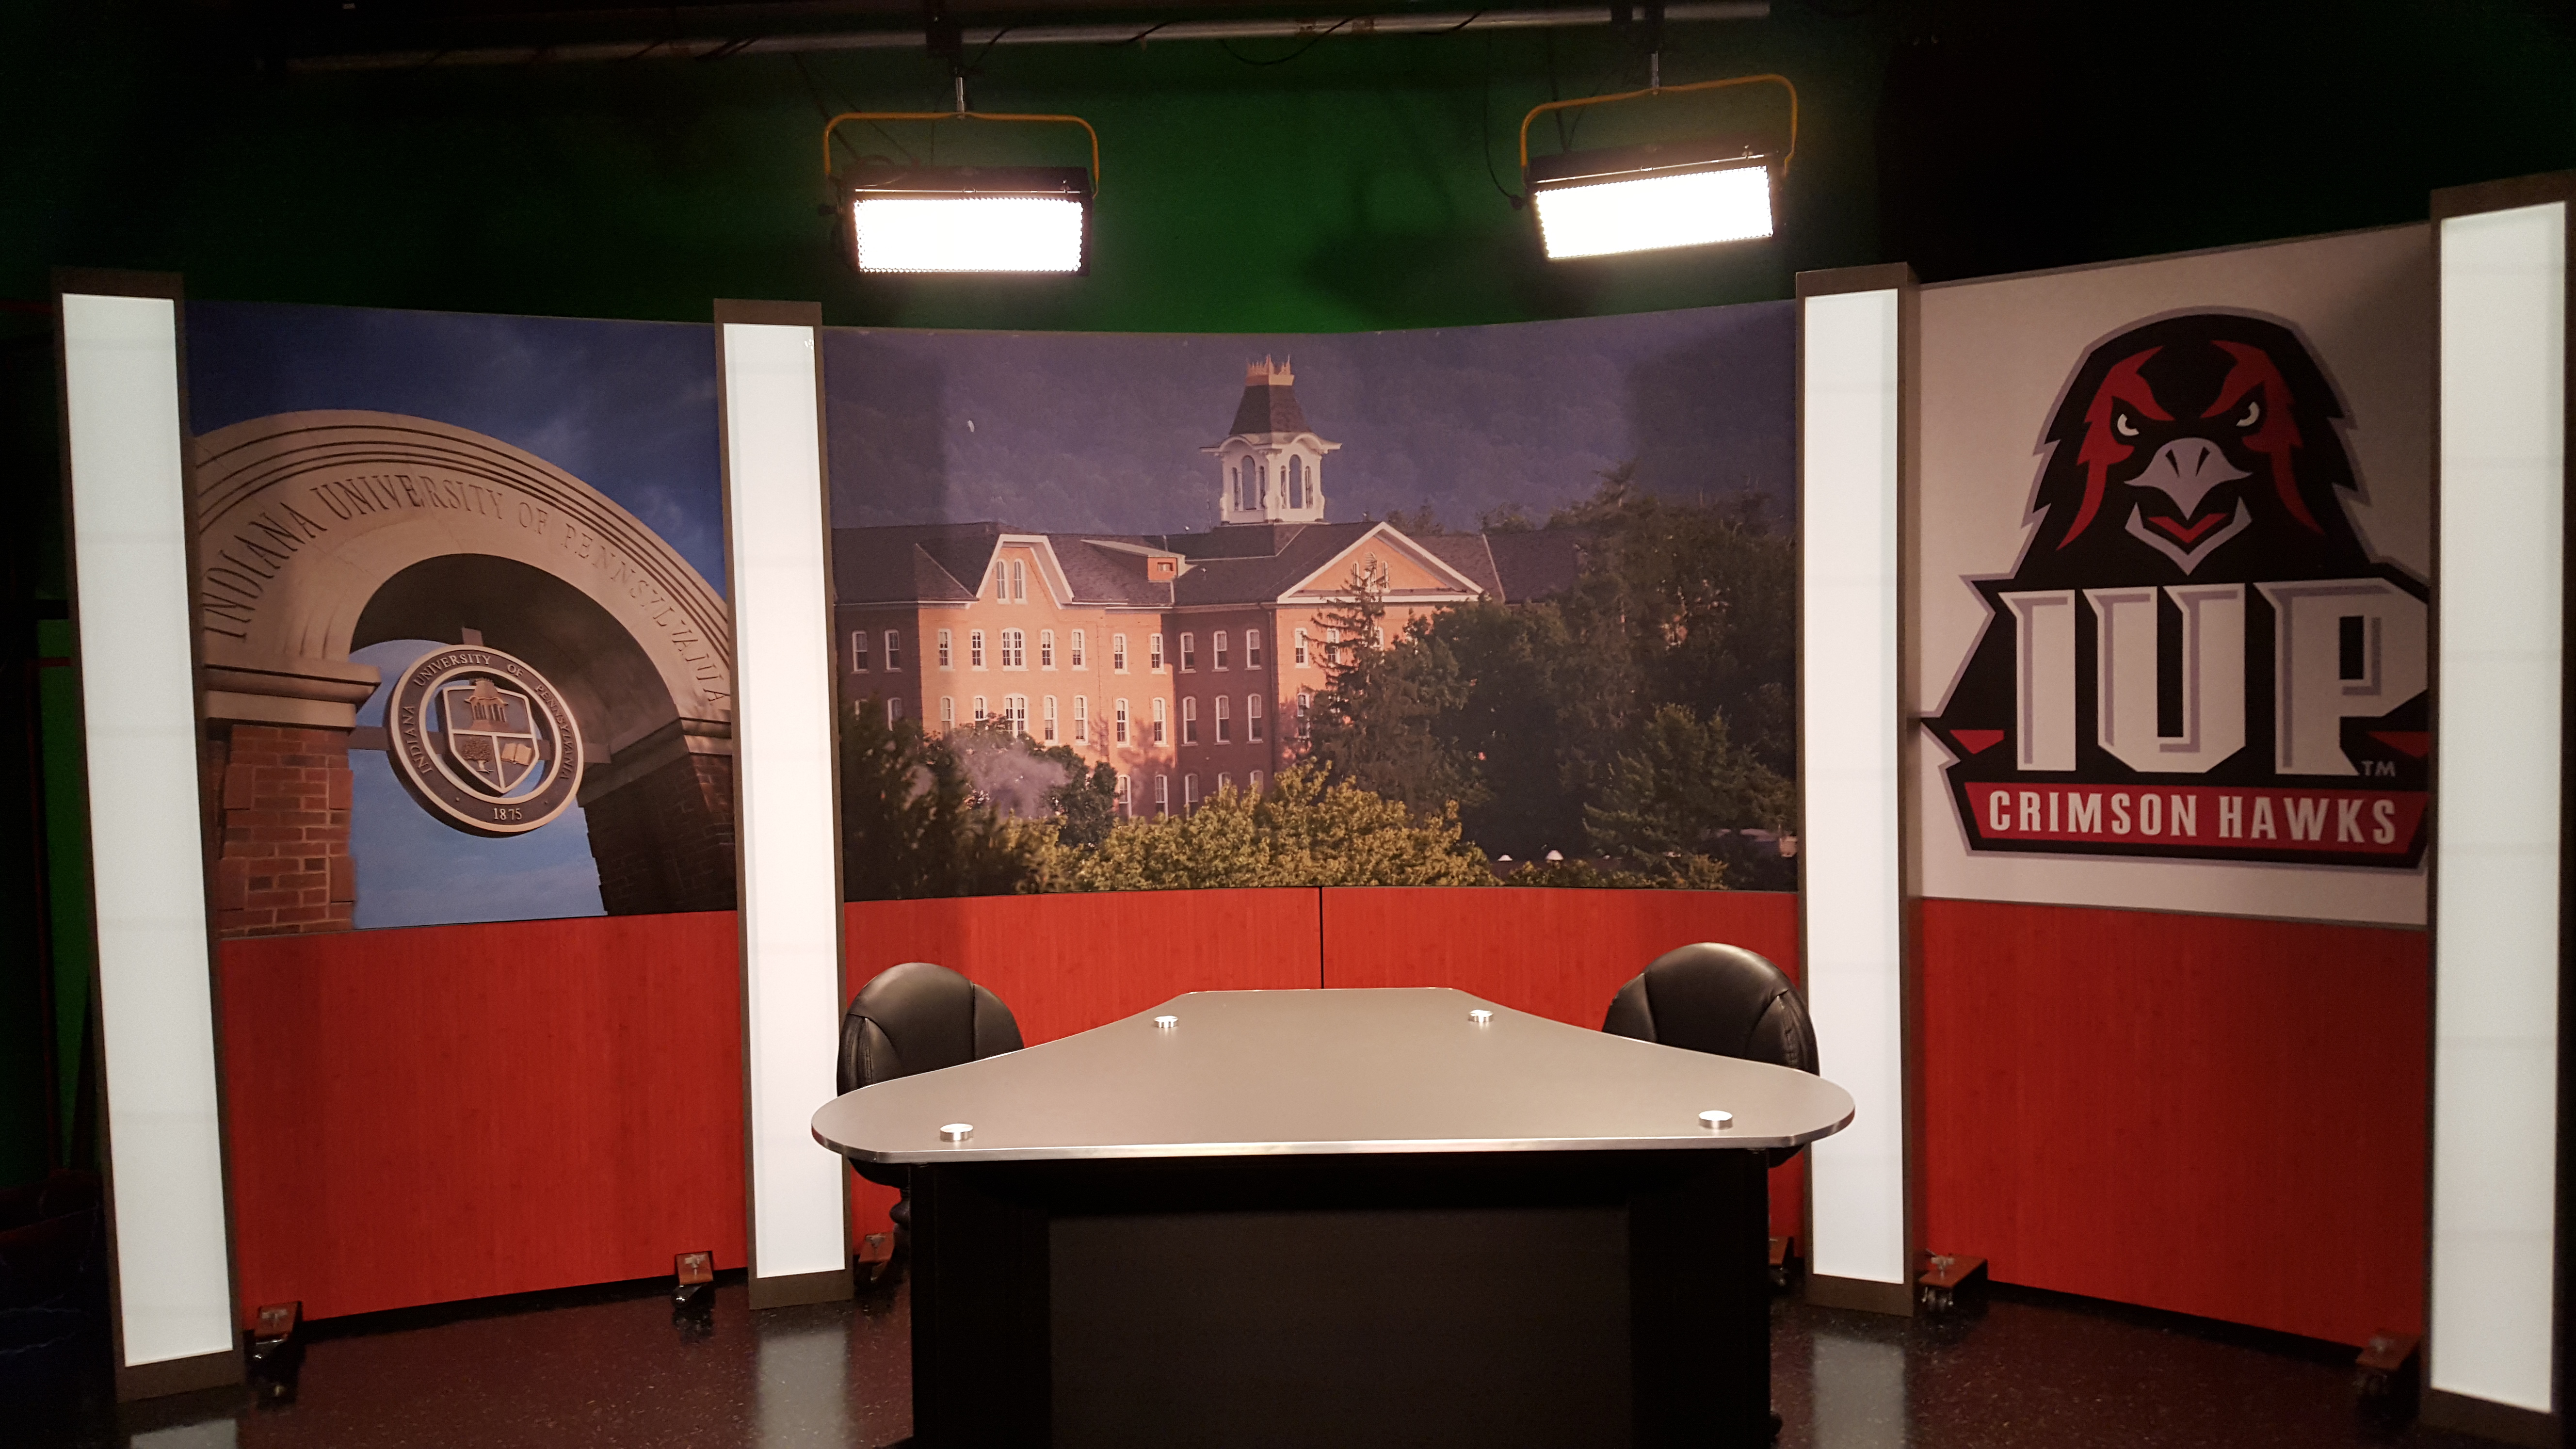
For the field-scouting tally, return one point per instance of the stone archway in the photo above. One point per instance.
(323, 532)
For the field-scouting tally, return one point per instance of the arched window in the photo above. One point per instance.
(1046, 723)
(1189, 721)
(1082, 719)
(1252, 718)
(1121, 722)
(1162, 730)
(1224, 725)
(1296, 481)
(1189, 793)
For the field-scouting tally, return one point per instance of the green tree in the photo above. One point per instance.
(1671, 805)
(913, 826)
(1303, 832)
(1376, 722)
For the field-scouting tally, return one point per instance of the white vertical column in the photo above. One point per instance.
(784, 794)
(129, 504)
(2499, 740)
(1847, 761)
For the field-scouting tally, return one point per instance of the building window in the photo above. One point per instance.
(1162, 794)
(1046, 725)
(1076, 660)
(1046, 649)
(947, 713)
(1162, 730)
(1305, 714)
(1252, 649)
(975, 649)
(1189, 721)
(1015, 714)
(981, 713)
(1216, 647)
(1301, 648)
(1377, 636)
(946, 661)
(1296, 481)
(1154, 652)
(1189, 652)
(1189, 793)
(1015, 649)
(1081, 720)
(1019, 582)
(1255, 787)
(859, 651)
(894, 710)
(1224, 782)
(1223, 725)
(1118, 653)
(1333, 648)
(1252, 718)
(894, 650)
(1120, 723)
(1127, 796)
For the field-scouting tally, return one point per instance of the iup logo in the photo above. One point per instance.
(2196, 656)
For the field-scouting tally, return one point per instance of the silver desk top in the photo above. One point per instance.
(1243, 1073)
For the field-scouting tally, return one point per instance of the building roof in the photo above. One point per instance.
(1537, 562)
(1236, 564)
(1269, 402)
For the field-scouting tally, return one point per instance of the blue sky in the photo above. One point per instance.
(1076, 431)
(627, 407)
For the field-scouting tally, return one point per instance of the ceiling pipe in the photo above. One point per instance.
(1309, 29)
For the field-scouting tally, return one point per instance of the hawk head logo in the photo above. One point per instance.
(2190, 448)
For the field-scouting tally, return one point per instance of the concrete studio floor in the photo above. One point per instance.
(606, 1366)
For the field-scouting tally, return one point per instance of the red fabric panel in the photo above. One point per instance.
(447, 1112)
(1068, 963)
(2203, 1114)
(1553, 953)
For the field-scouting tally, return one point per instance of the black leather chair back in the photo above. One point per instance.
(917, 1017)
(1723, 1000)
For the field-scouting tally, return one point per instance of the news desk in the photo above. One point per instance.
(1345, 1218)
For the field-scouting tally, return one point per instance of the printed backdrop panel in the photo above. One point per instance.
(1401, 608)
(2174, 530)
(460, 594)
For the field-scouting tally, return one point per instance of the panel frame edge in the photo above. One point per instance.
(162, 1377)
(1827, 1290)
(2441, 1408)
(827, 1285)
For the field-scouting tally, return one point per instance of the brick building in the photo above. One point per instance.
(1188, 661)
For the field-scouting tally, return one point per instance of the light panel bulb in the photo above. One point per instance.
(968, 234)
(1648, 213)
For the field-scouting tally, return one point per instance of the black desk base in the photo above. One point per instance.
(1488, 1299)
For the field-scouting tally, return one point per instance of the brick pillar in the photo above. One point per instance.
(285, 868)
(662, 836)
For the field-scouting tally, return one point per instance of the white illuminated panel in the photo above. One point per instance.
(2499, 732)
(1603, 217)
(138, 697)
(968, 234)
(1847, 720)
(782, 725)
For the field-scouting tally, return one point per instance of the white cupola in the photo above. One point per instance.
(1271, 470)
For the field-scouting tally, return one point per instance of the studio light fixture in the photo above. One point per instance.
(1655, 196)
(904, 218)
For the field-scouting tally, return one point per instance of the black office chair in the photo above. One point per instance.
(917, 1017)
(1723, 1000)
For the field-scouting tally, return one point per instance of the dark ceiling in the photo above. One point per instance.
(324, 27)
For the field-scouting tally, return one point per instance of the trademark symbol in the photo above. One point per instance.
(2379, 767)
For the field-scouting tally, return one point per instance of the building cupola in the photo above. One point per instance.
(1270, 470)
